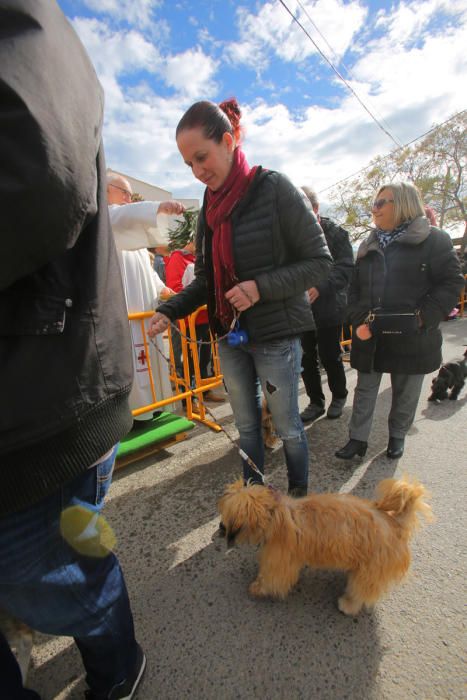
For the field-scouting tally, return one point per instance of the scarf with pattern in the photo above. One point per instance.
(385, 238)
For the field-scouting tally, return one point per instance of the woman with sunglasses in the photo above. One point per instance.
(257, 250)
(406, 274)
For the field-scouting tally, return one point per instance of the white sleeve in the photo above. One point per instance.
(188, 275)
(160, 285)
(139, 225)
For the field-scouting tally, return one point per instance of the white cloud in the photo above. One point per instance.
(412, 88)
(273, 30)
(191, 73)
(133, 12)
(116, 52)
(413, 20)
(139, 124)
(412, 74)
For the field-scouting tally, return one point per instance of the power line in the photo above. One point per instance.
(338, 60)
(400, 148)
(340, 76)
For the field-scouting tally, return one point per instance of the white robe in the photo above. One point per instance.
(136, 227)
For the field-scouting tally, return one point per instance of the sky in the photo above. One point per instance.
(405, 60)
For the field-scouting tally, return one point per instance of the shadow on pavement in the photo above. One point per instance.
(443, 410)
(203, 636)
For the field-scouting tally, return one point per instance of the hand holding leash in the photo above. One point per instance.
(157, 324)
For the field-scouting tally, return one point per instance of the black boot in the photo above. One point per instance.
(395, 448)
(353, 448)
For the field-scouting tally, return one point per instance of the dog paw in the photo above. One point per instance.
(348, 606)
(256, 590)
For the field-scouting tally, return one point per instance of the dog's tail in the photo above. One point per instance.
(404, 500)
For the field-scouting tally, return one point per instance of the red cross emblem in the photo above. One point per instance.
(141, 357)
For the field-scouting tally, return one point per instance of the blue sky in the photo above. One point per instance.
(406, 61)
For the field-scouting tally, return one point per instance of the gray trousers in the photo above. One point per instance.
(406, 390)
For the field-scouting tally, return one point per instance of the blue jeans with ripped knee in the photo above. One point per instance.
(274, 367)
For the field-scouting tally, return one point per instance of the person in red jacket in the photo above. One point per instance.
(179, 272)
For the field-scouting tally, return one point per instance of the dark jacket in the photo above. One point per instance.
(65, 355)
(419, 271)
(277, 244)
(329, 308)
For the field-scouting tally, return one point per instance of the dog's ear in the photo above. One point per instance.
(235, 486)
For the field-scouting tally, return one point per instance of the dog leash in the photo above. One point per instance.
(241, 452)
(204, 342)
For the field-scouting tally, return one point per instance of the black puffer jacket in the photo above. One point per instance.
(65, 354)
(330, 307)
(420, 270)
(276, 243)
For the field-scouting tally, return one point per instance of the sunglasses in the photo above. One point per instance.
(379, 203)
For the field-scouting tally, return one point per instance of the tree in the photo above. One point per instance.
(436, 164)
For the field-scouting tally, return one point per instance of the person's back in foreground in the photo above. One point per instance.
(65, 360)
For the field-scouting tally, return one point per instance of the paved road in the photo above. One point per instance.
(203, 636)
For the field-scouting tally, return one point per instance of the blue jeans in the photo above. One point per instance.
(55, 590)
(275, 368)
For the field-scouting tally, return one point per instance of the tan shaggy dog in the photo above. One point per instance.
(368, 539)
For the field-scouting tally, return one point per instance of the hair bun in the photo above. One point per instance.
(231, 108)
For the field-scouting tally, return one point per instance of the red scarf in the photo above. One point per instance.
(219, 207)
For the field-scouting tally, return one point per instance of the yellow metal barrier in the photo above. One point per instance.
(182, 384)
(462, 299)
(346, 343)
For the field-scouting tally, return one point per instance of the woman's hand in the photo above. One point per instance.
(157, 324)
(313, 294)
(244, 295)
(166, 292)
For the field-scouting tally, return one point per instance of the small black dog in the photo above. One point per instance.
(451, 376)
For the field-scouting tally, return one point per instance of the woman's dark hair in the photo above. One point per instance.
(213, 119)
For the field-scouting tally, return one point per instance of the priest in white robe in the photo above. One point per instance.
(136, 227)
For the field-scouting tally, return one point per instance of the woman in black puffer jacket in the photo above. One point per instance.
(257, 251)
(405, 266)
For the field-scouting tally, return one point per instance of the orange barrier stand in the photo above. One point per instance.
(462, 299)
(181, 385)
(346, 343)
(202, 385)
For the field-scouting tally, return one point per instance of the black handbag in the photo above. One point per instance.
(382, 322)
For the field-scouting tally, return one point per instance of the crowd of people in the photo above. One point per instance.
(74, 261)
(267, 260)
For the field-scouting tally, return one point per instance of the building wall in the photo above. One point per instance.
(155, 194)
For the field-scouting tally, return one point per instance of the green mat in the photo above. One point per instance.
(162, 427)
